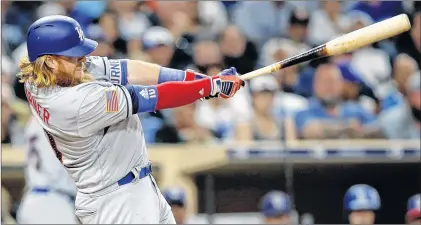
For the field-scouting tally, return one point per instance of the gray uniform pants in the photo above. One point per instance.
(139, 202)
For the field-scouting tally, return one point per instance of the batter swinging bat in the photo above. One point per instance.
(346, 43)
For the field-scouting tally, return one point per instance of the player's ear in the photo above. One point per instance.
(51, 62)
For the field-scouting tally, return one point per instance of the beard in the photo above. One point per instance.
(75, 77)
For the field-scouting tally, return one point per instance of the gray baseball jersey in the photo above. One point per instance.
(91, 127)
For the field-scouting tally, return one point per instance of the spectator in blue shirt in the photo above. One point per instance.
(328, 117)
(380, 10)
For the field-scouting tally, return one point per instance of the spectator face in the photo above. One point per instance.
(108, 24)
(415, 99)
(232, 42)
(350, 91)
(332, 7)
(263, 91)
(298, 32)
(285, 76)
(122, 7)
(278, 220)
(190, 9)
(179, 213)
(263, 101)
(404, 66)
(207, 57)
(298, 28)
(161, 54)
(166, 11)
(328, 84)
(361, 217)
(67, 4)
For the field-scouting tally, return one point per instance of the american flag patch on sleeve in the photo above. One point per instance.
(111, 98)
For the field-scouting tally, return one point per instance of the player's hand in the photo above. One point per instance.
(226, 83)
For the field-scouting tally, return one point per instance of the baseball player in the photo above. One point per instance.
(276, 208)
(360, 202)
(176, 199)
(92, 123)
(49, 188)
(413, 214)
(50, 192)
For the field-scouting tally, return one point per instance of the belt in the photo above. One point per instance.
(46, 190)
(136, 174)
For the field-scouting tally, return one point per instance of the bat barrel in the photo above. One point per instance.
(368, 35)
(346, 43)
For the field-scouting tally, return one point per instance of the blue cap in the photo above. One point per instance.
(58, 35)
(414, 202)
(275, 203)
(175, 195)
(361, 197)
(348, 73)
(157, 36)
(414, 207)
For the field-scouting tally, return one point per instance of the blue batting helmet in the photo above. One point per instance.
(275, 203)
(175, 196)
(361, 197)
(414, 207)
(58, 35)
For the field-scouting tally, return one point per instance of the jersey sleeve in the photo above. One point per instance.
(104, 104)
(107, 70)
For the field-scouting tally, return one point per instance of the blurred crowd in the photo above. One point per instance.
(373, 92)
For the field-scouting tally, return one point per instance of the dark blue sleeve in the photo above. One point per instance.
(144, 98)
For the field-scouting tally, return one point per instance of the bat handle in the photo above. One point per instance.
(265, 70)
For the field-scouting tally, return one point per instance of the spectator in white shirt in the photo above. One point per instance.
(271, 107)
(327, 23)
(368, 60)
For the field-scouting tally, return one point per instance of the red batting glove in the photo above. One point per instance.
(226, 83)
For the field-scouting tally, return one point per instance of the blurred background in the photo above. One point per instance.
(311, 130)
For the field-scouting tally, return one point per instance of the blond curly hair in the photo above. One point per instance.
(41, 75)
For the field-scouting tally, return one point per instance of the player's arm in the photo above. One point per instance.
(144, 73)
(124, 71)
(104, 106)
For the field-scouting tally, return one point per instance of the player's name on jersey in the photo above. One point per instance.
(43, 113)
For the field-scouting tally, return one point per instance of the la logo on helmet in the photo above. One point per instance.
(80, 32)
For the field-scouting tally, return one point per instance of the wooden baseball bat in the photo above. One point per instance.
(343, 44)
